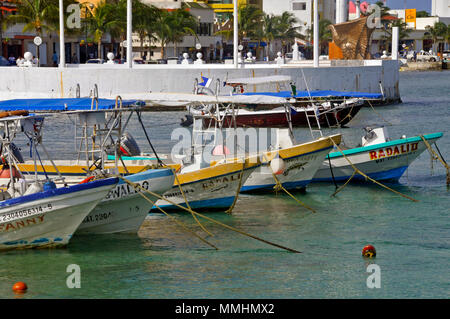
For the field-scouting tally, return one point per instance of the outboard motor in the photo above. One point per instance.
(374, 136)
(187, 120)
(128, 145)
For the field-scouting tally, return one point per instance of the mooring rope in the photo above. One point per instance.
(187, 203)
(356, 170)
(230, 210)
(379, 115)
(177, 221)
(279, 185)
(137, 186)
(440, 158)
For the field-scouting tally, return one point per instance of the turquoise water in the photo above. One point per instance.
(412, 239)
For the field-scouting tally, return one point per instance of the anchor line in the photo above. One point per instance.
(230, 210)
(148, 139)
(279, 185)
(440, 158)
(356, 170)
(187, 203)
(379, 115)
(137, 186)
(331, 170)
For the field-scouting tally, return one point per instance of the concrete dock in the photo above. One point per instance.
(371, 76)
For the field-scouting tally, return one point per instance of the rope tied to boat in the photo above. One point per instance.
(187, 203)
(437, 157)
(279, 186)
(143, 190)
(230, 210)
(356, 170)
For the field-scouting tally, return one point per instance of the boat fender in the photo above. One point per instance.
(278, 166)
(49, 185)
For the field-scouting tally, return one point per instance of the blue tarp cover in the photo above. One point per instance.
(325, 93)
(59, 104)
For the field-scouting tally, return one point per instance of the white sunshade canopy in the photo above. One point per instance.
(260, 80)
(180, 99)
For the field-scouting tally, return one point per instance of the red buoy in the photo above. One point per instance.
(369, 251)
(20, 287)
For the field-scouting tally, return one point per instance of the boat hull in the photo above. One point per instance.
(384, 161)
(301, 164)
(49, 218)
(124, 209)
(216, 192)
(278, 118)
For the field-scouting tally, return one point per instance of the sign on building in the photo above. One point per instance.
(410, 17)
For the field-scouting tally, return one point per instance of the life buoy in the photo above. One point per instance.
(13, 113)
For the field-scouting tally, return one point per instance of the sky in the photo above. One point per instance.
(410, 4)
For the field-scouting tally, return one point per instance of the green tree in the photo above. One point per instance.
(103, 20)
(182, 23)
(38, 16)
(436, 32)
(422, 14)
(249, 23)
(287, 31)
(325, 35)
(403, 30)
(269, 31)
(144, 21)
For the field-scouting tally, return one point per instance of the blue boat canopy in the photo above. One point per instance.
(61, 104)
(323, 93)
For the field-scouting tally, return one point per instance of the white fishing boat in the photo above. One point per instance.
(299, 161)
(98, 132)
(35, 213)
(378, 157)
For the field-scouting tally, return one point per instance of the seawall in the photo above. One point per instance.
(373, 76)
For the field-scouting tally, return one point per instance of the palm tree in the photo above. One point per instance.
(163, 29)
(325, 35)
(2, 26)
(103, 20)
(143, 21)
(403, 31)
(249, 22)
(287, 30)
(37, 15)
(182, 23)
(269, 31)
(436, 32)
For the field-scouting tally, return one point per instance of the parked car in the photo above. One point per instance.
(95, 61)
(446, 54)
(427, 57)
(5, 62)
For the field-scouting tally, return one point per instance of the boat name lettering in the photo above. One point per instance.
(221, 180)
(393, 151)
(126, 190)
(96, 217)
(25, 212)
(176, 194)
(15, 225)
(296, 166)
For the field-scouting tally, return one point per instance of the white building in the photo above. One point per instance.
(416, 39)
(302, 10)
(440, 8)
